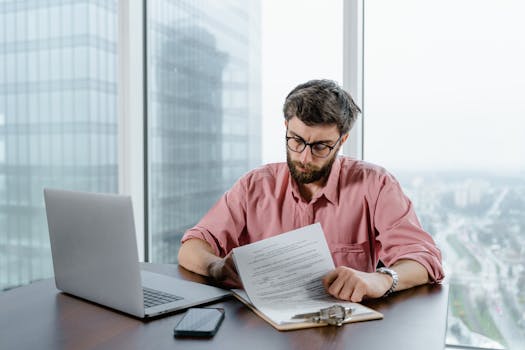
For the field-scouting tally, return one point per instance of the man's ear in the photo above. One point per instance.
(286, 124)
(344, 138)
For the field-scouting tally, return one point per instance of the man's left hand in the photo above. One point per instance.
(348, 284)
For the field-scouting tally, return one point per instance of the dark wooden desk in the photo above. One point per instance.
(38, 316)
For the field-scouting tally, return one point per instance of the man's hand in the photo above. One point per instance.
(348, 284)
(198, 256)
(223, 271)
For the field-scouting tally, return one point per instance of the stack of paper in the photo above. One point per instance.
(282, 277)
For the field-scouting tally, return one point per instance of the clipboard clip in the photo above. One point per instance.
(334, 315)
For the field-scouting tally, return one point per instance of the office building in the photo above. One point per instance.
(58, 115)
(58, 119)
(204, 112)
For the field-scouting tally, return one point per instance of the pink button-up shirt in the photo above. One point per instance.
(364, 214)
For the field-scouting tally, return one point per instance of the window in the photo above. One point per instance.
(443, 110)
(301, 40)
(203, 98)
(46, 138)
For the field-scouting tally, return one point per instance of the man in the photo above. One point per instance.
(364, 214)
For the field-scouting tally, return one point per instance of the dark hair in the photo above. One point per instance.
(321, 102)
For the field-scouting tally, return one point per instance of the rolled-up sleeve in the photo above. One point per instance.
(222, 226)
(400, 233)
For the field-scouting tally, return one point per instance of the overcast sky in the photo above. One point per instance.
(444, 81)
(301, 40)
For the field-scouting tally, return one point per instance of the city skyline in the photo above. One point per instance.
(478, 222)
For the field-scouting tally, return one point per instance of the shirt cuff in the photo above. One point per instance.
(429, 262)
(205, 236)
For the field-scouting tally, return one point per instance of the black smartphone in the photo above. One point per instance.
(199, 322)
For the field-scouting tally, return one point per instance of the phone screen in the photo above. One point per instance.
(199, 322)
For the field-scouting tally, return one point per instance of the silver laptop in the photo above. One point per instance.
(95, 257)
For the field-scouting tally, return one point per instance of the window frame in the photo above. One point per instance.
(353, 82)
(132, 117)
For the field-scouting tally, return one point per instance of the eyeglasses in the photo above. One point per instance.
(318, 149)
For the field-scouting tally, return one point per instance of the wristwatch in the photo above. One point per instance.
(395, 279)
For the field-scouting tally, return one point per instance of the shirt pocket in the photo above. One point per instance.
(354, 255)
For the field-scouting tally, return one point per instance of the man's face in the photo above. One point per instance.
(304, 166)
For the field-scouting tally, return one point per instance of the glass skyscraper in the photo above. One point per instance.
(204, 113)
(58, 119)
(59, 125)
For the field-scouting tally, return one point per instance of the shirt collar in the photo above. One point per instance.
(294, 187)
(330, 190)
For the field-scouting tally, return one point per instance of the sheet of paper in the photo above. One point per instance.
(282, 275)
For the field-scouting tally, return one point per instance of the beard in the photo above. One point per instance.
(311, 172)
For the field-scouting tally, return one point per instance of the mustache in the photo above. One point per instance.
(306, 166)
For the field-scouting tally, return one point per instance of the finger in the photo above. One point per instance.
(222, 269)
(329, 278)
(216, 271)
(358, 293)
(347, 290)
(337, 286)
(229, 256)
(236, 282)
(227, 278)
(228, 261)
(232, 274)
(229, 283)
(224, 272)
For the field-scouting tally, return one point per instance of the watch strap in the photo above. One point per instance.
(395, 279)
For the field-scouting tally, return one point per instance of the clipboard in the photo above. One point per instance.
(368, 315)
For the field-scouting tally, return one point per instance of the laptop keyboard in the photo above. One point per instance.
(154, 297)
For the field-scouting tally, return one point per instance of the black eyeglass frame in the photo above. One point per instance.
(311, 144)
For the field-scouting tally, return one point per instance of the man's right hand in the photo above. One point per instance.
(198, 256)
(223, 271)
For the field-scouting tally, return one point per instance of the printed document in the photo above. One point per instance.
(282, 275)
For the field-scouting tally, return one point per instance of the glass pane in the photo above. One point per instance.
(301, 40)
(203, 110)
(444, 86)
(58, 128)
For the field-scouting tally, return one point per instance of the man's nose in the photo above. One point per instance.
(306, 155)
